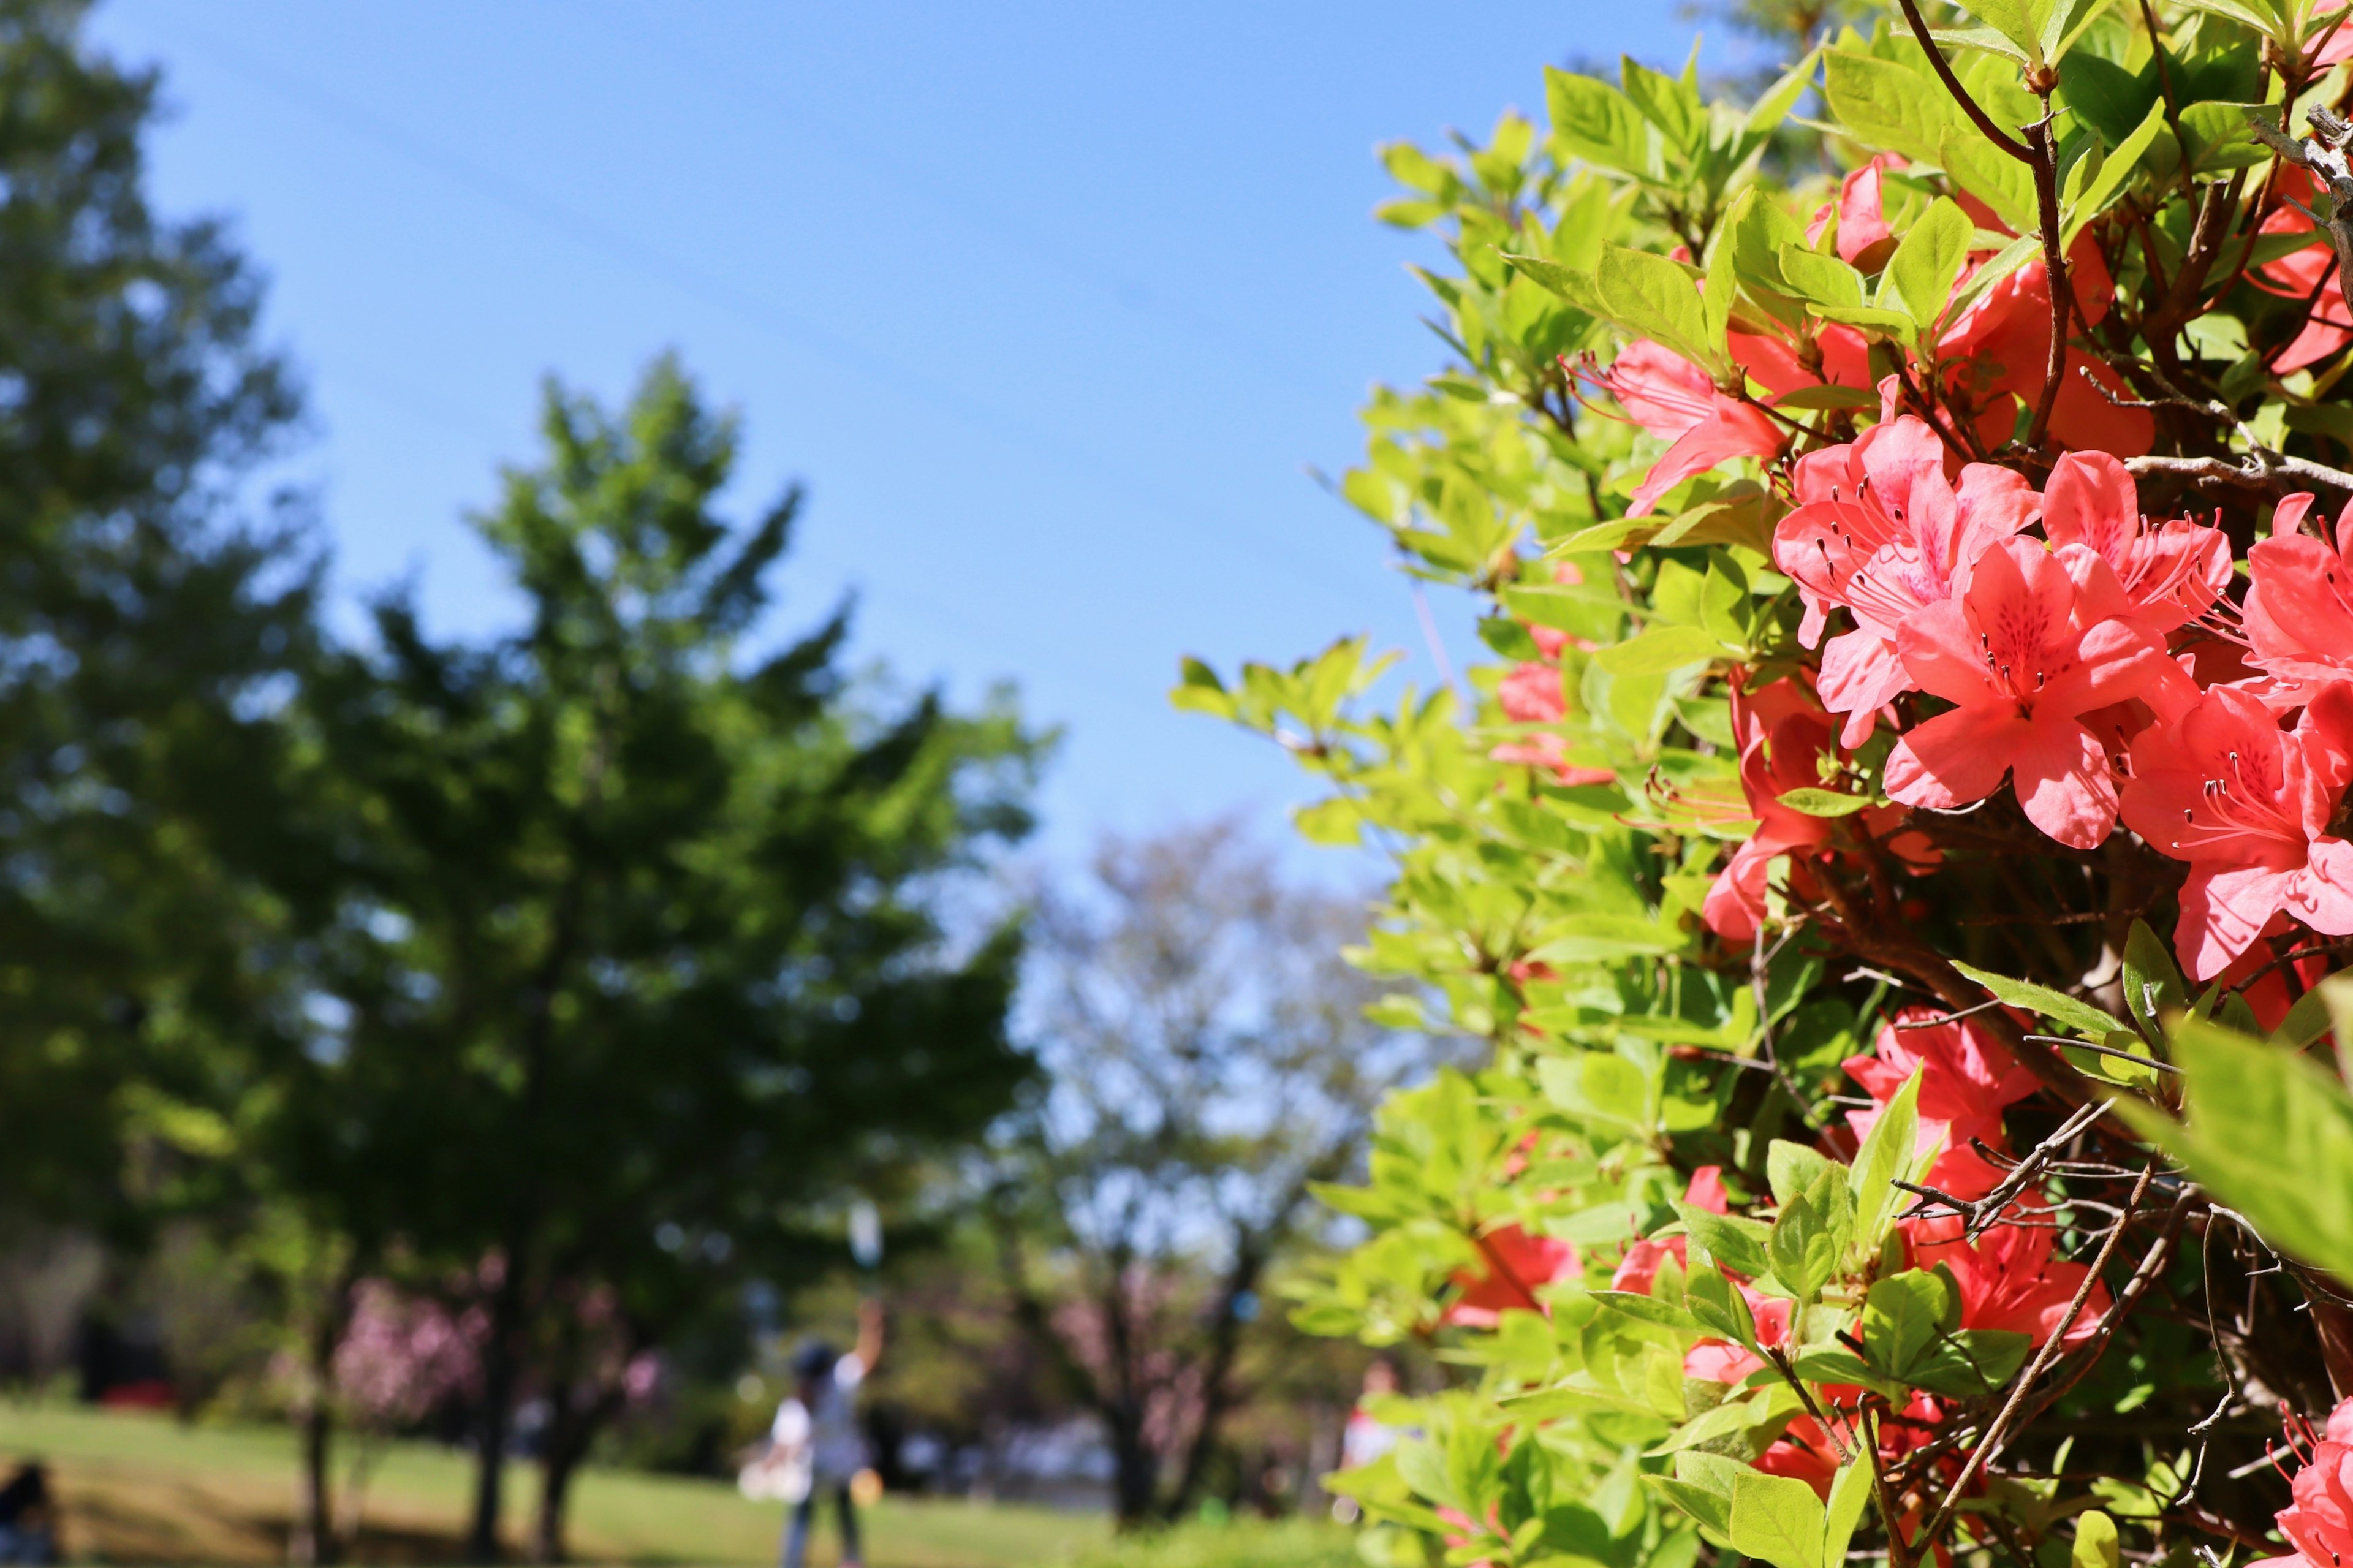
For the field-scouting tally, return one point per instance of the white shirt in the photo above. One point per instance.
(836, 1447)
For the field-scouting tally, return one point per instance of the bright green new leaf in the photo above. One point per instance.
(1660, 649)
(2053, 1005)
(2152, 981)
(1921, 274)
(1849, 1492)
(1816, 802)
(1803, 1249)
(1888, 105)
(1577, 288)
(1821, 279)
(2020, 21)
(2269, 1133)
(2095, 1542)
(1653, 297)
(1990, 174)
(1738, 1244)
(2115, 171)
(1885, 1158)
(1903, 1318)
(1598, 123)
(1778, 1520)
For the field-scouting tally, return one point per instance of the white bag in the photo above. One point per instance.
(783, 1474)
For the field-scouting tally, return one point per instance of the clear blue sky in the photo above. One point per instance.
(1051, 305)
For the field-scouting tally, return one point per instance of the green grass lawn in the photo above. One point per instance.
(145, 1488)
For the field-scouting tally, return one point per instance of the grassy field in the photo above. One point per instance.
(145, 1488)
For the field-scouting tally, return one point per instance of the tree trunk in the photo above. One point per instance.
(314, 1540)
(555, 1486)
(571, 1431)
(499, 1374)
(1217, 1375)
(1136, 1471)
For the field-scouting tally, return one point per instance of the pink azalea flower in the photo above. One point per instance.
(2308, 274)
(1674, 399)
(2299, 607)
(2248, 805)
(2007, 1277)
(2001, 349)
(2023, 652)
(1967, 1078)
(1640, 1268)
(1880, 533)
(1531, 694)
(1779, 754)
(2319, 1522)
(1517, 1263)
(1862, 212)
(2173, 573)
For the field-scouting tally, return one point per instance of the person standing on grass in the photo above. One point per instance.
(816, 1434)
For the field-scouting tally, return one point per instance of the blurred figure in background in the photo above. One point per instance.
(28, 1531)
(1367, 1439)
(814, 1449)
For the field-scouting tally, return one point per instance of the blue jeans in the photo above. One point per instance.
(797, 1533)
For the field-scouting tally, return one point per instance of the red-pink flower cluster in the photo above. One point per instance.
(2319, 1522)
(2069, 665)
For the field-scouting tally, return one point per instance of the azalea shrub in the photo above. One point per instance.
(1896, 854)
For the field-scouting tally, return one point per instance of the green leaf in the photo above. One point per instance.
(2053, 1005)
(1849, 1492)
(1888, 105)
(2095, 1542)
(1596, 122)
(2219, 137)
(2020, 21)
(1990, 174)
(2106, 96)
(2269, 1133)
(1737, 1244)
(1646, 1309)
(1886, 1156)
(2114, 174)
(1903, 1319)
(1823, 801)
(1776, 1518)
(1660, 649)
(1792, 1168)
(1804, 1252)
(2152, 981)
(1712, 1511)
(1577, 288)
(1928, 261)
(1655, 297)
(1718, 1305)
(1821, 279)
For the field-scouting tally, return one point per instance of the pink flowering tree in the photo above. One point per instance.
(401, 1358)
(1899, 852)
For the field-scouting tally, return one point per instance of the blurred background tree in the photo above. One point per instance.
(1211, 1060)
(640, 951)
(152, 633)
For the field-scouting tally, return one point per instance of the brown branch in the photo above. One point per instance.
(1999, 1431)
(2263, 472)
(2054, 266)
(1978, 117)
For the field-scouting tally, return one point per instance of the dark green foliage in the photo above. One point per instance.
(639, 941)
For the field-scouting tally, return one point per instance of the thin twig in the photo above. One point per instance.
(1999, 1431)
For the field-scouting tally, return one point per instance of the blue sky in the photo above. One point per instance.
(1051, 305)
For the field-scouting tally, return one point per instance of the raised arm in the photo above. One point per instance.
(870, 1332)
